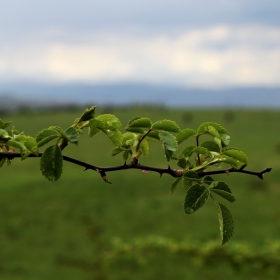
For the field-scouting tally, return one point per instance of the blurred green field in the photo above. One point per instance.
(68, 229)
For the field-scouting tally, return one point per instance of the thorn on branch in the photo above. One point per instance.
(104, 177)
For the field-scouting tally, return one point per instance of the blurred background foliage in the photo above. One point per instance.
(82, 228)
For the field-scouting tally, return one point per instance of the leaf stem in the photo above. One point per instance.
(197, 144)
(142, 138)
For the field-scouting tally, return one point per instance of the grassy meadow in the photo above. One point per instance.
(82, 228)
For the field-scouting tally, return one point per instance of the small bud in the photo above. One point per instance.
(178, 173)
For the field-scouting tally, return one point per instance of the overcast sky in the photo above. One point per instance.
(218, 43)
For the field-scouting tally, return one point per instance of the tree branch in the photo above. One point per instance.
(135, 165)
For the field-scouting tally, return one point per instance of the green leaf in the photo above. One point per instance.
(154, 136)
(51, 163)
(174, 184)
(182, 162)
(202, 151)
(72, 135)
(166, 125)
(144, 147)
(129, 138)
(115, 136)
(208, 180)
(2, 161)
(4, 125)
(140, 122)
(110, 121)
(211, 146)
(188, 151)
(184, 135)
(222, 190)
(204, 128)
(213, 131)
(229, 160)
(116, 151)
(236, 154)
(88, 114)
(169, 143)
(218, 141)
(110, 125)
(95, 127)
(196, 197)
(46, 135)
(125, 155)
(189, 178)
(17, 144)
(135, 130)
(4, 136)
(226, 222)
(225, 139)
(133, 119)
(29, 142)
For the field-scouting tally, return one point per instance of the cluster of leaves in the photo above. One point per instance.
(193, 160)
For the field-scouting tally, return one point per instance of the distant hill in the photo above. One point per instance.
(123, 94)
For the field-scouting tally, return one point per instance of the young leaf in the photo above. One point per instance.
(95, 127)
(87, 115)
(208, 180)
(51, 163)
(222, 190)
(187, 152)
(202, 151)
(166, 125)
(129, 138)
(133, 119)
(2, 161)
(72, 135)
(169, 143)
(29, 142)
(140, 122)
(229, 160)
(182, 162)
(204, 128)
(211, 146)
(135, 130)
(4, 125)
(195, 198)
(144, 147)
(154, 136)
(18, 145)
(125, 155)
(236, 154)
(110, 121)
(184, 135)
(116, 151)
(225, 139)
(4, 136)
(46, 135)
(174, 184)
(226, 222)
(213, 131)
(115, 136)
(189, 178)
